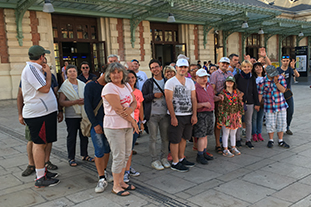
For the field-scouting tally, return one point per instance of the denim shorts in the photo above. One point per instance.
(100, 143)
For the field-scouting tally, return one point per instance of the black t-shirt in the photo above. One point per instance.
(288, 74)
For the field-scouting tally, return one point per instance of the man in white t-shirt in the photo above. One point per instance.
(141, 75)
(39, 111)
(182, 107)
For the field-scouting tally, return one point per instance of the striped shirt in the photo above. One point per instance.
(218, 79)
(274, 100)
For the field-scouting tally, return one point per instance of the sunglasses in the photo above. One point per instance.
(85, 67)
(285, 57)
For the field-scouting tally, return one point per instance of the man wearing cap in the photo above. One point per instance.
(205, 126)
(182, 107)
(288, 70)
(271, 89)
(40, 110)
(218, 79)
(141, 75)
(155, 111)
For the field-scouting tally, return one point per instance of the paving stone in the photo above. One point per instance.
(306, 180)
(87, 194)
(269, 179)
(244, 190)
(197, 175)
(203, 187)
(294, 192)
(234, 174)
(303, 202)
(271, 202)
(283, 156)
(9, 181)
(15, 161)
(100, 201)
(223, 165)
(170, 183)
(289, 170)
(21, 198)
(215, 198)
(260, 164)
(62, 202)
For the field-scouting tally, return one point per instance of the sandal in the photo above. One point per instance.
(130, 187)
(72, 163)
(88, 158)
(120, 193)
(29, 170)
(218, 150)
(50, 166)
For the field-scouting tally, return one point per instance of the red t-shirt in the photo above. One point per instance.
(205, 95)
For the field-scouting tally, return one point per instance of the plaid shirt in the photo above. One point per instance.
(274, 100)
(218, 79)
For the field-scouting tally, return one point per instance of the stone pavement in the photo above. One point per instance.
(259, 177)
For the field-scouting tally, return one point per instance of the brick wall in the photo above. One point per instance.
(3, 40)
(34, 23)
(120, 39)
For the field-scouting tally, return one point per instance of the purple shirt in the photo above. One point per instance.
(205, 95)
(218, 79)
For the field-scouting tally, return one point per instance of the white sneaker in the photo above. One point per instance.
(126, 177)
(157, 165)
(133, 172)
(101, 185)
(165, 163)
(108, 176)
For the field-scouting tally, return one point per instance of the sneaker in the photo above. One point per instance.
(45, 182)
(165, 163)
(255, 139)
(169, 157)
(208, 157)
(101, 185)
(238, 143)
(133, 172)
(201, 159)
(126, 177)
(235, 151)
(270, 144)
(187, 163)
(108, 176)
(51, 175)
(179, 167)
(289, 132)
(249, 145)
(157, 165)
(260, 137)
(227, 153)
(284, 145)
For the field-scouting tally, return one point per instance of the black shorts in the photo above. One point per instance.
(43, 129)
(205, 124)
(182, 130)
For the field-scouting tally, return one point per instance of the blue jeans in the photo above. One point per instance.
(289, 111)
(101, 145)
(257, 121)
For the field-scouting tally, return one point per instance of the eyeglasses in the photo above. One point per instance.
(85, 67)
(154, 67)
(285, 57)
(193, 70)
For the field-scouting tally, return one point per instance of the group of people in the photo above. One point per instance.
(182, 102)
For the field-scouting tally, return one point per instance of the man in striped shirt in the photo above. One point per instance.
(271, 89)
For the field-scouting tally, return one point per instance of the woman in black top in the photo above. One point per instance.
(247, 84)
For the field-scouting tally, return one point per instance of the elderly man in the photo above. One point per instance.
(113, 58)
(39, 111)
(86, 76)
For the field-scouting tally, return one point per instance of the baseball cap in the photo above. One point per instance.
(224, 60)
(37, 50)
(134, 60)
(230, 78)
(182, 62)
(201, 72)
(271, 71)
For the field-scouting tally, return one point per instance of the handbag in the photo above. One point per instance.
(86, 125)
(288, 94)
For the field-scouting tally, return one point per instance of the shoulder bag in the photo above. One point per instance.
(86, 125)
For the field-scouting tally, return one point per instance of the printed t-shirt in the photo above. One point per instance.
(111, 119)
(181, 95)
(139, 99)
(158, 104)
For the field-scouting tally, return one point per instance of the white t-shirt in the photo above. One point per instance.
(111, 119)
(181, 95)
(141, 78)
(36, 104)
